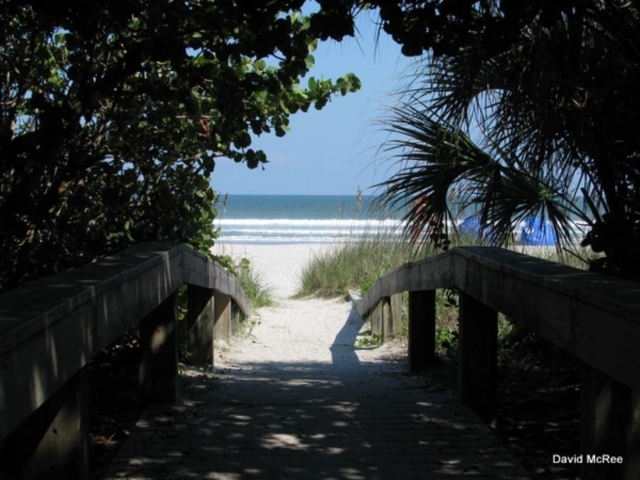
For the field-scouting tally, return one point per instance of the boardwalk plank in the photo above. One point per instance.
(309, 421)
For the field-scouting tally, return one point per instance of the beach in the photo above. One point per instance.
(279, 266)
(305, 328)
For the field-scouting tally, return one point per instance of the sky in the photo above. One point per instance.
(332, 151)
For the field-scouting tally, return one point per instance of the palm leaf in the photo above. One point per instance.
(435, 157)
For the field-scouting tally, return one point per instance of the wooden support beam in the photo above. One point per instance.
(159, 343)
(386, 318)
(392, 326)
(52, 443)
(422, 329)
(610, 427)
(200, 321)
(222, 315)
(376, 318)
(477, 352)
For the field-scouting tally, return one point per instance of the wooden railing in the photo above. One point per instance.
(596, 318)
(51, 329)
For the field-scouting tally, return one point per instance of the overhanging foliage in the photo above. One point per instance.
(548, 91)
(113, 113)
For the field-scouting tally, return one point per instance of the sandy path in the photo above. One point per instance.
(310, 329)
(279, 265)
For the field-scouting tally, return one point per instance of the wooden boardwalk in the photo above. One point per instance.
(305, 420)
(306, 403)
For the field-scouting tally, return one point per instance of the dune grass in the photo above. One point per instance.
(253, 286)
(353, 265)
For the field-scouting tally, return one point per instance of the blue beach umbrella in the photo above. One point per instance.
(472, 227)
(539, 232)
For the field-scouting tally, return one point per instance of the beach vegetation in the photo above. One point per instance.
(354, 264)
(257, 291)
(358, 263)
(113, 116)
(521, 109)
(368, 340)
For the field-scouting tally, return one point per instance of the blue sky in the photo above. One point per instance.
(331, 151)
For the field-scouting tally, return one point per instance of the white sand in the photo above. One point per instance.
(279, 266)
(294, 330)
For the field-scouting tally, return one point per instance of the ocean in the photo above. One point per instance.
(283, 219)
(301, 218)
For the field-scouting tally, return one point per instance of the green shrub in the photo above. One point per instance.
(259, 294)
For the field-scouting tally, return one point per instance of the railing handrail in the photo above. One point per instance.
(54, 326)
(595, 317)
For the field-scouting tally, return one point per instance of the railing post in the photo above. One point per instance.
(222, 328)
(377, 319)
(477, 352)
(610, 425)
(200, 321)
(52, 443)
(393, 317)
(386, 317)
(159, 343)
(422, 329)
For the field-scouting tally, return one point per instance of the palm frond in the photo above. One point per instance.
(436, 157)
